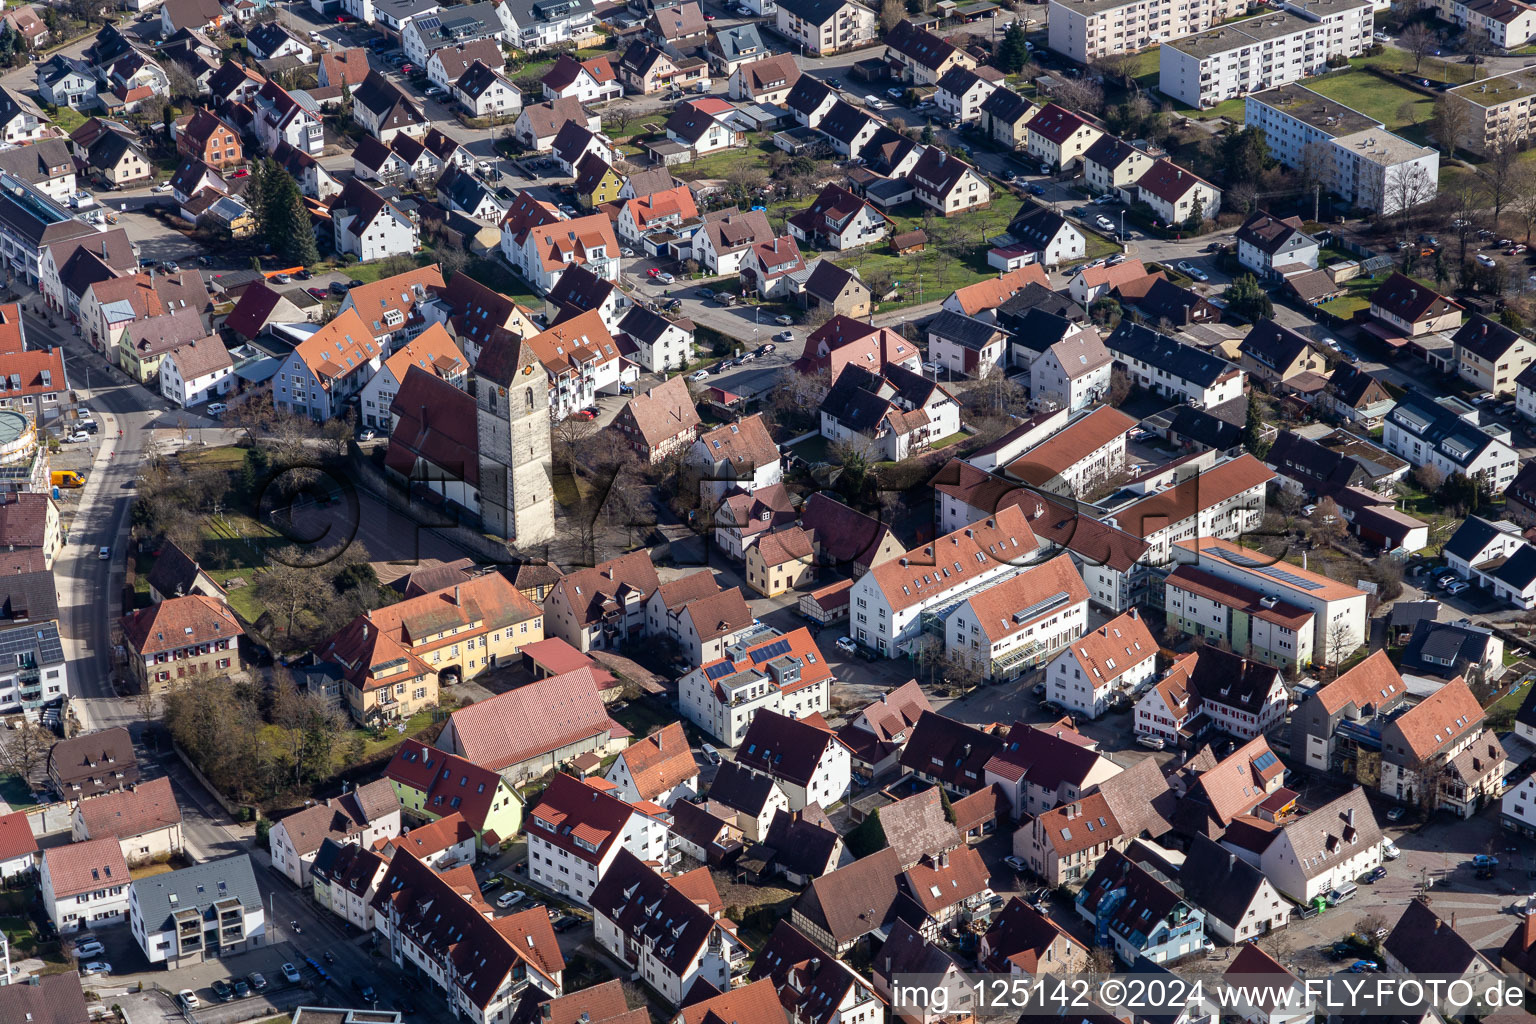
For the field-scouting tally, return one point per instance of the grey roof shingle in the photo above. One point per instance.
(200, 886)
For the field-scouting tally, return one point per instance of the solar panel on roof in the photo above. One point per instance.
(714, 672)
(770, 652)
(1291, 578)
(1264, 760)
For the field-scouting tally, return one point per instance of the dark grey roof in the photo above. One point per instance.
(1037, 226)
(1519, 570)
(36, 162)
(643, 324)
(1218, 881)
(843, 122)
(58, 67)
(384, 99)
(28, 597)
(527, 12)
(1443, 648)
(1272, 345)
(1433, 424)
(269, 37)
(827, 280)
(965, 331)
(1470, 537)
(1109, 152)
(742, 789)
(1205, 429)
(1007, 106)
(1038, 329)
(1183, 362)
(1486, 338)
(807, 94)
(816, 12)
(1037, 296)
(200, 886)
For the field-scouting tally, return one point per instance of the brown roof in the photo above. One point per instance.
(131, 812)
(1439, 720)
(985, 295)
(179, 622)
(1169, 182)
(399, 294)
(587, 591)
(745, 444)
(200, 357)
(957, 875)
(997, 608)
(1065, 448)
(433, 837)
(1235, 595)
(916, 827)
(755, 1003)
(791, 544)
(679, 592)
(85, 867)
(345, 67)
(1409, 300)
(660, 761)
(1020, 936)
(770, 74)
(719, 614)
(1375, 681)
(340, 817)
(663, 412)
(1178, 503)
(854, 900)
(595, 1005)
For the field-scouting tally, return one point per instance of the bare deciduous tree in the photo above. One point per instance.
(1418, 39)
(1449, 125)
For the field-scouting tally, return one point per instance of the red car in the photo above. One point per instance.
(653, 272)
(319, 293)
(243, 172)
(583, 414)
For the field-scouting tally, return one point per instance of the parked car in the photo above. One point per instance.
(258, 983)
(1459, 587)
(512, 898)
(710, 753)
(188, 999)
(105, 553)
(494, 882)
(364, 989)
(1396, 814)
(764, 349)
(1035, 190)
(566, 923)
(846, 644)
(164, 186)
(1104, 223)
(242, 988)
(366, 434)
(1017, 863)
(665, 278)
(1389, 850)
(223, 991)
(1149, 741)
(785, 336)
(1376, 875)
(699, 375)
(583, 414)
(783, 319)
(291, 974)
(1364, 966)
(1486, 260)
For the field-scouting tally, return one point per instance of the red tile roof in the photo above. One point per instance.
(660, 761)
(532, 720)
(952, 561)
(147, 807)
(85, 867)
(16, 838)
(179, 622)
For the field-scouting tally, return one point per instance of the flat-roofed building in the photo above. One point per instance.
(1087, 29)
(1355, 155)
(1497, 111)
(1276, 48)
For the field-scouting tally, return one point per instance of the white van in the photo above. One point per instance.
(1343, 893)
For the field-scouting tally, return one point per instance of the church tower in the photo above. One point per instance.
(512, 423)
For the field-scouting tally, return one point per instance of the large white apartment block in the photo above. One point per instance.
(1332, 604)
(1277, 48)
(1018, 622)
(887, 605)
(1497, 111)
(1087, 29)
(1363, 162)
(1447, 435)
(578, 827)
(1118, 658)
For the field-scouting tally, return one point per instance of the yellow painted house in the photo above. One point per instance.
(596, 182)
(144, 342)
(433, 783)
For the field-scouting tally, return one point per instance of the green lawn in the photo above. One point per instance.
(1376, 97)
(371, 272)
(500, 278)
(16, 793)
(1357, 294)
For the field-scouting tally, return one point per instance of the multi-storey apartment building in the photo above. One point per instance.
(579, 826)
(199, 913)
(762, 670)
(1358, 158)
(1088, 29)
(890, 604)
(1446, 434)
(821, 27)
(1276, 49)
(1497, 111)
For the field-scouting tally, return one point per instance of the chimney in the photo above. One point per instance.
(455, 594)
